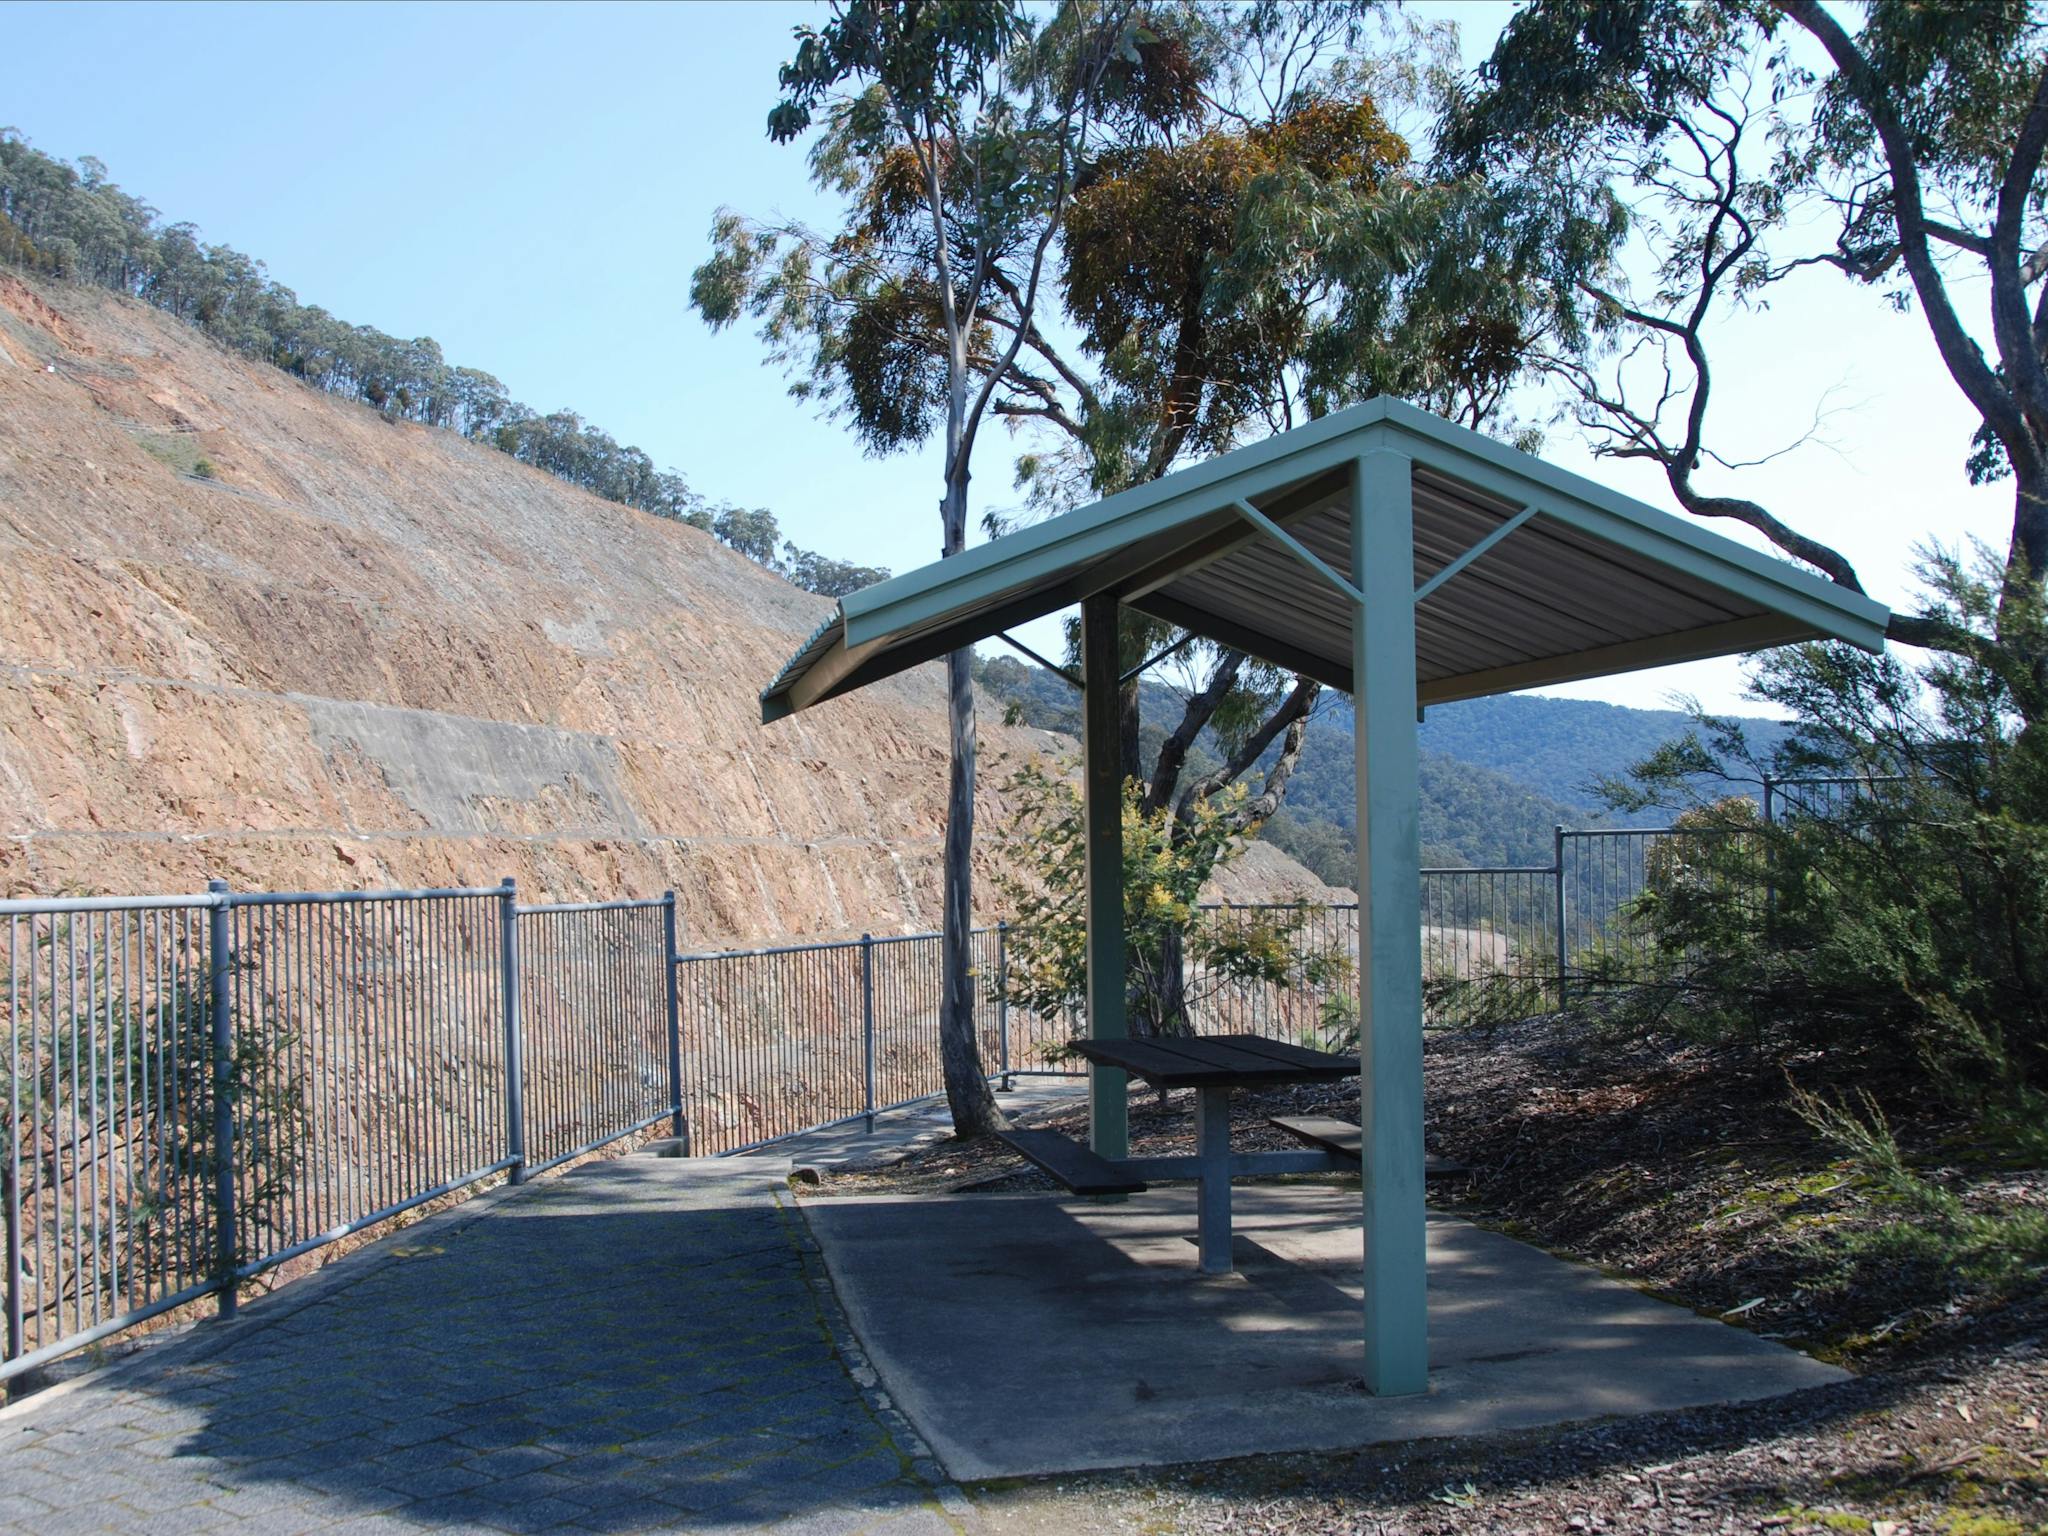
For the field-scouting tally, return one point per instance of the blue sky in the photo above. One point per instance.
(531, 185)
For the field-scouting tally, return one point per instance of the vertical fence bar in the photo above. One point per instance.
(1557, 875)
(867, 1023)
(221, 1021)
(677, 1127)
(515, 1068)
(1003, 1001)
(15, 1327)
(1770, 859)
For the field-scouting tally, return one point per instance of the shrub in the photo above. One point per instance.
(1177, 956)
(1908, 916)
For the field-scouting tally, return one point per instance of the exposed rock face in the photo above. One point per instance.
(362, 654)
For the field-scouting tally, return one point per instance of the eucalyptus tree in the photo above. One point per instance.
(1725, 145)
(1270, 251)
(953, 132)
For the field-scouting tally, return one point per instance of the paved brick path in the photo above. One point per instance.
(643, 1345)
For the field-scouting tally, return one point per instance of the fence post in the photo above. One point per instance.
(1557, 873)
(220, 1005)
(515, 1064)
(867, 1024)
(1770, 860)
(1003, 1000)
(677, 1128)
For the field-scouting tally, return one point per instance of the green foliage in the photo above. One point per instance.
(1688, 156)
(71, 222)
(1043, 884)
(173, 1047)
(1909, 917)
(827, 577)
(2002, 1251)
(926, 56)
(146, 1064)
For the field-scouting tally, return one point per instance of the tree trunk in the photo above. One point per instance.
(2021, 619)
(1167, 1007)
(967, 1092)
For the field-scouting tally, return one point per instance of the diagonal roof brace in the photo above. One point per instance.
(1296, 548)
(1423, 592)
(1024, 650)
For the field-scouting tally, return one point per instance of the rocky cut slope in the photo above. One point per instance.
(255, 632)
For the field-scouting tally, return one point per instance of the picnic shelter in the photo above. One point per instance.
(1397, 557)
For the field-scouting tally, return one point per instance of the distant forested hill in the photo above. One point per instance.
(1498, 775)
(1559, 747)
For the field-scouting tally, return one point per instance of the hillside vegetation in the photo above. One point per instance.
(73, 222)
(1498, 775)
(260, 632)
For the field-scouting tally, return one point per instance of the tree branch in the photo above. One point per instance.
(1200, 710)
(1293, 711)
(1960, 353)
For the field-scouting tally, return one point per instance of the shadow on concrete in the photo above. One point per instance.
(1116, 1351)
(634, 1346)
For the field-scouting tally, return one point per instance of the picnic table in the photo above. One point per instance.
(1212, 1065)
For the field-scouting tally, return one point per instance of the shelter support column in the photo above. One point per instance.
(1102, 801)
(1390, 905)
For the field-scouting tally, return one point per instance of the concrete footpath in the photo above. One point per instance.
(646, 1344)
(1117, 1351)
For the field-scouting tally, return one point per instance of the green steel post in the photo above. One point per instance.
(1389, 894)
(1102, 794)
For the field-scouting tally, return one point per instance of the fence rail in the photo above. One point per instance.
(202, 1088)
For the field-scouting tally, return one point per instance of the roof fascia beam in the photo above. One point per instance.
(1429, 587)
(818, 681)
(1299, 550)
(852, 667)
(1731, 638)
(1224, 631)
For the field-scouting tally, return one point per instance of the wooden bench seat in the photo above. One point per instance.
(1071, 1163)
(1345, 1139)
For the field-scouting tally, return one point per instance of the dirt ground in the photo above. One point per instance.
(1685, 1170)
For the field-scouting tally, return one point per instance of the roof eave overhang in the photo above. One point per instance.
(1116, 545)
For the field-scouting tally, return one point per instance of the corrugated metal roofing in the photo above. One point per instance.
(1591, 584)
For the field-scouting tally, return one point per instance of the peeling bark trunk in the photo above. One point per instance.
(973, 1105)
(1168, 982)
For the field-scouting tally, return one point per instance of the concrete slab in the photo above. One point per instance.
(1026, 1334)
(918, 1124)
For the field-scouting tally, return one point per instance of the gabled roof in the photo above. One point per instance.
(1577, 582)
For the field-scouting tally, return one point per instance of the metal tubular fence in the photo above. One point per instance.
(594, 984)
(776, 1042)
(201, 1088)
(204, 1087)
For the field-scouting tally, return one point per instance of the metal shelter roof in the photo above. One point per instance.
(1525, 574)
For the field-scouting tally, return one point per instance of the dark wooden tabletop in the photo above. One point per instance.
(1218, 1061)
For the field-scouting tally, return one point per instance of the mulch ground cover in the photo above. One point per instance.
(1682, 1168)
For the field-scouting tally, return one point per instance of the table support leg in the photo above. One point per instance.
(1212, 1198)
